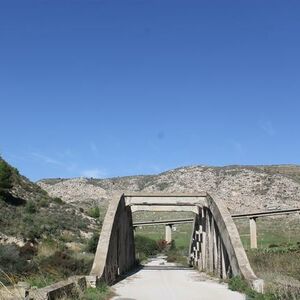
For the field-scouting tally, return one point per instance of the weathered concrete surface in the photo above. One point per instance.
(253, 234)
(164, 208)
(162, 280)
(115, 252)
(231, 239)
(215, 246)
(70, 287)
(165, 199)
(168, 237)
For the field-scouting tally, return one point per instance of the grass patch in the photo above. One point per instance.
(280, 268)
(40, 280)
(102, 292)
(239, 285)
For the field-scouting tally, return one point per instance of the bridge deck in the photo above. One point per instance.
(162, 280)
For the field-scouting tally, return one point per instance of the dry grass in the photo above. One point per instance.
(11, 291)
(280, 268)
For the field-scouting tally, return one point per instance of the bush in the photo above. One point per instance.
(161, 245)
(102, 292)
(28, 251)
(41, 280)
(44, 202)
(58, 200)
(93, 243)
(240, 285)
(145, 246)
(12, 264)
(5, 179)
(30, 207)
(64, 264)
(5, 175)
(94, 212)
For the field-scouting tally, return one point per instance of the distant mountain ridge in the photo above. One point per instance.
(243, 188)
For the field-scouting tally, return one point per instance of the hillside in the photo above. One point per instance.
(28, 213)
(42, 239)
(244, 188)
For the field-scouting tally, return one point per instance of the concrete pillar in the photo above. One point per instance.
(200, 261)
(253, 234)
(204, 238)
(168, 228)
(215, 247)
(210, 234)
(223, 263)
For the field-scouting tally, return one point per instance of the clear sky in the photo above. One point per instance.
(112, 88)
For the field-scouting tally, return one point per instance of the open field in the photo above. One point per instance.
(271, 230)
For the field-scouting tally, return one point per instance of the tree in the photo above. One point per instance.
(5, 177)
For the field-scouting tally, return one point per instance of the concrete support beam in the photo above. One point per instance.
(168, 236)
(253, 233)
(167, 208)
(165, 199)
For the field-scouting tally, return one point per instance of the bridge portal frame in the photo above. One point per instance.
(215, 243)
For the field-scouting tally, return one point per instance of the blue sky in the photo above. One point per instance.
(113, 88)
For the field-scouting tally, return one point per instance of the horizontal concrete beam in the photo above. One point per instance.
(164, 222)
(165, 208)
(266, 213)
(157, 194)
(165, 199)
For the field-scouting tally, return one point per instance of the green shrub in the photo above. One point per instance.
(58, 200)
(5, 180)
(43, 202)
(94, 212)
(63, 263)
(145, 246)
(5, 175)
(240, 285)
(41, 280)
(30, 207)
(102, 292)
(93, 243)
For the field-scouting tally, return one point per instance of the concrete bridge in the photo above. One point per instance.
(215, 245)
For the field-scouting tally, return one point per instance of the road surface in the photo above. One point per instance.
(159, 280)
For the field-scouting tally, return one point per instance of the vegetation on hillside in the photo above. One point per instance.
(279, 266)
(41, 238)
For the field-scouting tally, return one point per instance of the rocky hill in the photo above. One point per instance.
(244, 188)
